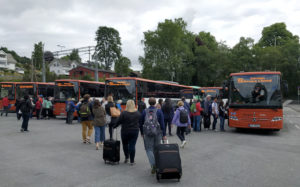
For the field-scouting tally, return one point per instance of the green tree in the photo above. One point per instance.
(37, 56)
(108, 47)
(122, 66)
(167, 52)
(74, 55)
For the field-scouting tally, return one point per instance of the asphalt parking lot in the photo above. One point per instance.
(52, 154)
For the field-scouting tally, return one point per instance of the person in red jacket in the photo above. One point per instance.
(197, 116)
(38, 106)
(5, 103)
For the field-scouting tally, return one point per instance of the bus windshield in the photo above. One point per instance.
(23, 90)
(255, 90)
(7, 90)
(121, 89)
(65, 90)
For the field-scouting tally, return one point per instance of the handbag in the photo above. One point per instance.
(114, 112)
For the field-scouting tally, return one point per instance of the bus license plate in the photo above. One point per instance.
(254, 125)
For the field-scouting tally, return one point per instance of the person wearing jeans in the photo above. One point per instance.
(168, 112)
(181, 127)
(197, 117)
(99, 123)
(70, 109)
(222, 112)
(215, 112)
(129, 119)
(25, 107)
(150, 142)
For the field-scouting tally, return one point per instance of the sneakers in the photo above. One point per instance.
(183, 144)
(132, 163)
(22, 130)
(126, 161)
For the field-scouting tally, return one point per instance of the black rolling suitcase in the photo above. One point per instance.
(168, 162)
(111, 151)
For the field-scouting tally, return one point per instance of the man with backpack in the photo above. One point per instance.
(182, 120)
(25, 107)
(152, 129)
(85, 113)
(70, 109)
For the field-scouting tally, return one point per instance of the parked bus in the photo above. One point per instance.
(17, 90)
(125, 88)
(213, 91)
(74, 89)
(255, 100)
(8, 89)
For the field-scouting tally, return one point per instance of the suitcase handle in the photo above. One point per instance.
(163, 141)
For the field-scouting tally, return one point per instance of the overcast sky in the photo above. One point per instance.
(73, 23)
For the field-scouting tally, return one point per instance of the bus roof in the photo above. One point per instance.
(211, 88)
(46, 83)
(257, 73)
(75, 80)
(147, 80)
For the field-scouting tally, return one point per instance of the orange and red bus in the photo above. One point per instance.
(17, 90)
(255, 100)
(125, 88)
(212, 91)
(74, 89)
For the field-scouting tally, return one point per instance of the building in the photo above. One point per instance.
(62, 66)
(81, 71)
(7, 61)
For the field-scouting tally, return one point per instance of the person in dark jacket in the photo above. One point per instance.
(25, 107)
(17, 105)
(113, 121)
(168, 112)
(129, 119)
(99, 122)
(141, 106)
(70, 109)
(207, 112)
(150, 142)
(86, 118)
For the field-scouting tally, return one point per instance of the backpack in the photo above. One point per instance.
(151, 125)
(193, 108)
(24, 107)
(183, 116)
(85, 110)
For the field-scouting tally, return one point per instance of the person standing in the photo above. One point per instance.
(155, 117)
(197, 116)
(25, 107)
(47, 106)
(38, 106)
(182, 121)
(18, 111)
(70, 109)
(207, 112)
(129, 119)
(222, 112)
(141, 105)
(99, 123)
(85, 113)
(5, 103)
(215, 112)
(113, 121)
(159, 104)
(168, 112)
(118, 105)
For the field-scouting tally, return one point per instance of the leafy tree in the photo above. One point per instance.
(37, 56)
(74, 55)
(122, 66)
(108, 48)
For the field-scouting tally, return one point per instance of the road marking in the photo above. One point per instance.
(297, 126)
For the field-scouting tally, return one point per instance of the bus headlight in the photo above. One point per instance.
(276, 119)
(234, 118)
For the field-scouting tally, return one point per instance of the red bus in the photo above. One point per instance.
(255, 100)
(125, 88)
(213, 91)
(17, 90)
(74, 89)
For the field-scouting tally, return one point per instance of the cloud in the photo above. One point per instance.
(73, 23)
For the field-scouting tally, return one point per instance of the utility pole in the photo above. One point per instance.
(44, 71)
(31, 67)
(90, 54)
